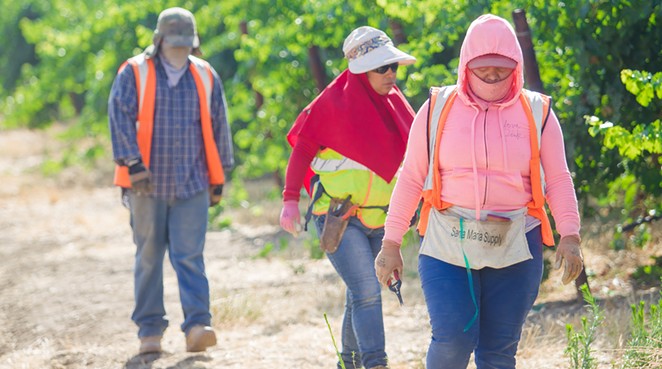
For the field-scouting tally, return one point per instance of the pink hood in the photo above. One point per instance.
(489, 34)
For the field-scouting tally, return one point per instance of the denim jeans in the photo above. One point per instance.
(363, 324)
(178, 226)
(504, 297)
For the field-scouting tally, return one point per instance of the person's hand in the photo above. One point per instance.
(290, 218)
(215, 194)
(140, 178)
(569, 254)
(388, 260)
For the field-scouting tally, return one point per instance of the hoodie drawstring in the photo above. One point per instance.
(503, 139)
(474, 164)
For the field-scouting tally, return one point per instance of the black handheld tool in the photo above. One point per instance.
(395, 286)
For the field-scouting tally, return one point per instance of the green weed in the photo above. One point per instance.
(644, 348)
(579, 342)
(270, 247)
(333, 339)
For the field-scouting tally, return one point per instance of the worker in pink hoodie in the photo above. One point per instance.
(485, 156)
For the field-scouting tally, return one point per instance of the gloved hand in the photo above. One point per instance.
(290, 217)
(569, 254)
(388, 260)
(215, 194)
(140, 178)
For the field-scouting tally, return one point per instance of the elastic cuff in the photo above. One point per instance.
(390, 244)
(291, 196)
(575, 236)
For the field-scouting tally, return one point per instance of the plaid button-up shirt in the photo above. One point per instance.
(178, 163)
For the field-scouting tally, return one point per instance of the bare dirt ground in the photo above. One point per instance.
(66, 282)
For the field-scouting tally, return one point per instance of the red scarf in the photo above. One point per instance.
(350, 117)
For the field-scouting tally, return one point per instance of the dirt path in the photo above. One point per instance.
(66, 288)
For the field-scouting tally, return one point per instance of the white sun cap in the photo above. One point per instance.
(367, 48)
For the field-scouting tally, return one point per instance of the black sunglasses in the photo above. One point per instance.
(381, 70)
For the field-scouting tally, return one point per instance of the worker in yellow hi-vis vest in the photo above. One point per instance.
(352, 137)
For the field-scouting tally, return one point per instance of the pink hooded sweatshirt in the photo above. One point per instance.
(485, 149)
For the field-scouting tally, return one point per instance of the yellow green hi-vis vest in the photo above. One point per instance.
(342, 177)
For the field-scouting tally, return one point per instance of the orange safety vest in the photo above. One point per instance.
(537, 108)
(145, 75)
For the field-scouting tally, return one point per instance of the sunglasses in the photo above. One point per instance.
(384, 68)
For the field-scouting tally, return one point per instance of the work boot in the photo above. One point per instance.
(199, 338)
(150, 344)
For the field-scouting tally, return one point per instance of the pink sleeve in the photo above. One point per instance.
(560, 191)
(409, 186)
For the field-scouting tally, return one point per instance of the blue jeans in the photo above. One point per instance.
(178, 226)
(363, 324)
(504, 297)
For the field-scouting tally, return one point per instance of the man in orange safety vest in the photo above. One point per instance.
(172, 144)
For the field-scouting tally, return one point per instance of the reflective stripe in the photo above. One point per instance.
(537, 105)
(333, 165)
(141, 69)
(442, 96)
(201, 72)
(139, 61)
(205, 75)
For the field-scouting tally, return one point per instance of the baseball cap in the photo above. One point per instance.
(176, 27)
(367, 48)
(492, 60)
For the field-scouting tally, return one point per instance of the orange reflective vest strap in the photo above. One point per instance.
(441, 100)
(536, 108)
(145, 76)
(204, 81)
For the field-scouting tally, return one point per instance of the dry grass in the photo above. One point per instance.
(235, 309)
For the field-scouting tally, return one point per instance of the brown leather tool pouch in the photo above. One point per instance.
(335, 223)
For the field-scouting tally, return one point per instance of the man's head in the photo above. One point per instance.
(175, 28)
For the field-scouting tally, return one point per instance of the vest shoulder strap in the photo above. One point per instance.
(203, 69)
(439, 97)
(540, 106)
(141, 68)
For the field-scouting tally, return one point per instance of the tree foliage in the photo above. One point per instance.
(59, 58)
(640, 146)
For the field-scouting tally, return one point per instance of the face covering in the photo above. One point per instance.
(494, 91)
(175, 63)
(176, 56)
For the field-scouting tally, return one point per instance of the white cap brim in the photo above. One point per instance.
(385, 55)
